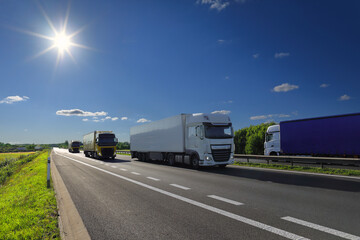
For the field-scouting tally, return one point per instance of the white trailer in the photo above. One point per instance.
(195, 139)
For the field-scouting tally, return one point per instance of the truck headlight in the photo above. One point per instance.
(208, 158)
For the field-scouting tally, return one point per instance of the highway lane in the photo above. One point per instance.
(208, 204)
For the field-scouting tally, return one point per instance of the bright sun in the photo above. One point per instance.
(62, 42)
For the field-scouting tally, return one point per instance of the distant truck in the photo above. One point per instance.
(100, 144)
(74, 146)
(193, 139)
(337, 136)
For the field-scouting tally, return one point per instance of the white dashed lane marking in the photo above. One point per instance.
(155, 179)
(114, 166)
(179, 186)
(123, 169)
(135, 173)
(225, 200)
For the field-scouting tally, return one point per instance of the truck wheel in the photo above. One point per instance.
(194, 162)
(171, 159)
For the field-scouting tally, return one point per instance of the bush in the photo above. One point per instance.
(250, 140)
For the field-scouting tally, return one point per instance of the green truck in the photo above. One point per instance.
(100, 144)
(74, 146)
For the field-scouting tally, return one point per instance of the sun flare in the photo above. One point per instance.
(62, 42)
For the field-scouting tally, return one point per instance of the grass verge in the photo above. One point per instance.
(28, 208)
(9, 165)
(332, 171)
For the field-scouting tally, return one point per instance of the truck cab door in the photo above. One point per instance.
(194, 136)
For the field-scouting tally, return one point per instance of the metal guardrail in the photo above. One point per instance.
(300, 159)
(294, 159)
(123, 151)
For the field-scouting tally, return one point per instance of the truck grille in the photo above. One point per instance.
(107, 152)
(221, 155)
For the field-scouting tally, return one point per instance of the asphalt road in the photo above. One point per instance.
(128, 199)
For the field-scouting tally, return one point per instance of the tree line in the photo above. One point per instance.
(250, 140)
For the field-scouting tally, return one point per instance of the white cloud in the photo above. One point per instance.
(281, 54)
(107, 118)
(85, 119)
(324, 85)
(124, 118)
(220, 41)
(143, 120)
(81, 113)
(214, 4)
(256, 55)
(12, 99)
(344, 97)
(227, 78)
(222, 112)
(269, 116)
(285, 87)
(114, 118)
(260, 117)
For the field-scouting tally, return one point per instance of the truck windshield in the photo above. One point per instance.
(213, 131)
(75, 144)
(107, 140)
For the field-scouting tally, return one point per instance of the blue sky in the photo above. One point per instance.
(133, 61)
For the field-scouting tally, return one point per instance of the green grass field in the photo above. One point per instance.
(4, 156)
(28, 208)
(333, 171)
(10, 162)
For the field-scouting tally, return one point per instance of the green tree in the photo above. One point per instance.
(250, 140)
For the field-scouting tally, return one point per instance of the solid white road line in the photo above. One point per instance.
(321, 228)
(225, 200)
(155, 179)
(239, 218)
(135, 173)
(179, 186)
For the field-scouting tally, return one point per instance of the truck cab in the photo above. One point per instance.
(210, 138)
(272, 141)
(74, 146)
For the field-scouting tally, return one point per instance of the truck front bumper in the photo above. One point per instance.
(208, 160)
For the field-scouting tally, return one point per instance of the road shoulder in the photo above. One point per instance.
(70, 223)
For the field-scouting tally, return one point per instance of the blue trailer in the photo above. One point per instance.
(323, 136)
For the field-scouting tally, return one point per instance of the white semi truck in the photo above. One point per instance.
(194, 139)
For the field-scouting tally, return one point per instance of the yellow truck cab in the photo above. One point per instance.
(100, 144)
(74, 146)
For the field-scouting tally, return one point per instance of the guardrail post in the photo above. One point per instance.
(322, 165)
(292, 163)
(48, 173)
(267, 161)
(247, 159)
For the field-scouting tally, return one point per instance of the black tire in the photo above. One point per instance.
(140, 156)
(222, 165)
(113, 157)
(171, 159)
(194, 162)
